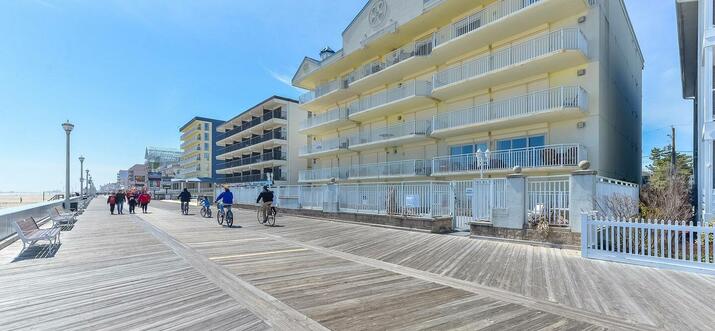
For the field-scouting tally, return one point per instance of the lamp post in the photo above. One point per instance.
(67, 126)
(87, 189)
(81, 175)
(482, 160)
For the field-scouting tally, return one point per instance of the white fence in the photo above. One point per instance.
(548, 197)
(36, 210)
(616, 198)
(476, 199)
(419, 199)
(677, 245)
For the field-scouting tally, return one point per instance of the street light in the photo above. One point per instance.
(81, 174)
(87, 172)
(67, 126)
(482, 160)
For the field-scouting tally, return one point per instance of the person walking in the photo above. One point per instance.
(132, 201)
(185, 198)
(267, 197)
(120, 201)
(144, 199)
(112, 201)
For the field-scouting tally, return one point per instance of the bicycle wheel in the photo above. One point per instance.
(203, 212)
(219, 218)
(272, 217)
(229, 218)
(259, 216)
(208, 212)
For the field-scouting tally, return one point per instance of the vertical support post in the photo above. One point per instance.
(584, 235)
(582, 196)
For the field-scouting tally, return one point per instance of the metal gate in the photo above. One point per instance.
(474, 200)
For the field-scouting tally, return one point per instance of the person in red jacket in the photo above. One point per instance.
(144, 199)
(112, 201)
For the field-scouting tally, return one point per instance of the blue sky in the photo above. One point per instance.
(129, 73)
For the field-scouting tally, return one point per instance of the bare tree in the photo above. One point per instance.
(670, 201)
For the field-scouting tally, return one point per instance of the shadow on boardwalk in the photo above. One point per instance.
(33, 252)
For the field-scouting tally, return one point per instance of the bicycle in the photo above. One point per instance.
(222, 215)
(206, 211)
(184, 208)
(270, 216)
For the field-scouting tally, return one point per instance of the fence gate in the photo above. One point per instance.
(473, 201)
(482, 199)
(462, 192)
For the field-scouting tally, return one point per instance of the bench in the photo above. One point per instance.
(60, 218)
(30, 233)
(64, 213)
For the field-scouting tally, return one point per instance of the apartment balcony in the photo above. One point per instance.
(256, 125)
(409, 95)
(322, 122)
(325, 148)
(553, 104)
(194, 129)
(252, 162)
(191, 142)
(498, 21)
(393, 135)
(397, 64)
(325, 95)
(258, 143)
(549, 157)
(321, 175)
(390, 170)
(554, 51)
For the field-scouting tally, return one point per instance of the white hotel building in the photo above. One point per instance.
(421, 87)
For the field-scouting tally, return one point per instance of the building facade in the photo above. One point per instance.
(198, 148)
(123, 178)
(450, 89)
(137, 177)
(696, 36)
(262, 143)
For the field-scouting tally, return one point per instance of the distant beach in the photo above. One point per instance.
(14, 199)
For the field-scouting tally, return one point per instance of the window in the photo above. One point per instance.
(521, 142)
(468, 148)
(206, 156)
(206, 136)
(206, 126)
(206, 146)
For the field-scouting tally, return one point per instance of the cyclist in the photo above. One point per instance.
(185, 197)
(267, 196)
(226, 197)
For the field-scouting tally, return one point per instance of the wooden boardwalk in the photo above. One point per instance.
(167, 271)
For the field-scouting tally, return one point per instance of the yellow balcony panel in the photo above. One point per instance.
(390, 74)
(324, 122)
(554, 104)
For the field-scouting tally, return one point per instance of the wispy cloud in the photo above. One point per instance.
(283, 78)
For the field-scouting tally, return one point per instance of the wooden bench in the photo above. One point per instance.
(30, 233)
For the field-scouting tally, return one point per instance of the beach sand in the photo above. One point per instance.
(13, 199)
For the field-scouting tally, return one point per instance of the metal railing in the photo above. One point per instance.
(390, 169)
(275, 134)
(325, 145)
(191, 141)
(530, 157)
(418, 199)
(373, 135)
(404, 90)
(563, 39)
(270, 156)
(489, 14)
(536, 102)
(256, 120)
(334, 114)
(321, 174)
(548, 198)
(323, 89)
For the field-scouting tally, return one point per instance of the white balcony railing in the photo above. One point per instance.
(321, 174)
(536, 102)
(335, 114)
(404, 168)
(325, 146)
(422, 47)
(532, 157)
(564, 39)
(405, 90)
(373, 135)
(322, 90)
(489, 14)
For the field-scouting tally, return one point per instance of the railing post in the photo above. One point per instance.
(585, 235)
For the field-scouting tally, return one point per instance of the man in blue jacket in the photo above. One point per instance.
(226, 198)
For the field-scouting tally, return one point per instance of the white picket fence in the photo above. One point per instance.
(677, 245)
